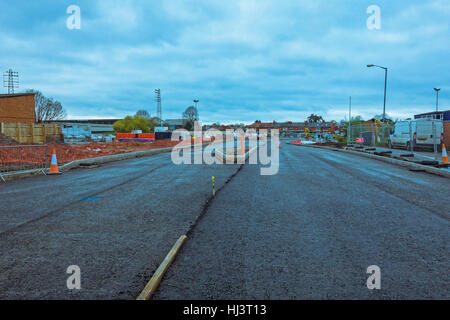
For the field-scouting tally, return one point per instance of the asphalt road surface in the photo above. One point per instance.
(308, 232)
(311, 231)
(116, 222)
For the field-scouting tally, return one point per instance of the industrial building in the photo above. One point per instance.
(92, 126)
(439, 115)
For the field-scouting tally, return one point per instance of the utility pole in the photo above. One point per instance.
(10, 80)
(158, 105)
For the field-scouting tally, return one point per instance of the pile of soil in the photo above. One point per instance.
(5, 140)
(69, 152)
(339, 145)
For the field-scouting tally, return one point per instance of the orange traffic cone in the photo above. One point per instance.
(444, 154)
(54, 164)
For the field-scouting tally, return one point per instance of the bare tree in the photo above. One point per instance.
(143, 113)
(189, 116)
(47, 109)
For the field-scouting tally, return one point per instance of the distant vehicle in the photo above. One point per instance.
(421, 134)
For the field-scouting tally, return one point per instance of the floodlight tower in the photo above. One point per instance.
(158, 105)
(10, 80)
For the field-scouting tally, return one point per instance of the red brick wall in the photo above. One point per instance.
(447, 134)
(17, 108)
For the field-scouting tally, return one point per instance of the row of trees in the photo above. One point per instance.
(140, 121)
(143, 121)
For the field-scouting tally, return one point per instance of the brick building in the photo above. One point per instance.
(290, 126)
(17, 108)
(257, 125)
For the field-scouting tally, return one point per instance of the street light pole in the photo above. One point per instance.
(434, 123)
(384, 103)
(385, 86)
(349, 133)
(437, 98)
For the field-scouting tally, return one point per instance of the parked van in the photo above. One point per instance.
(421, 134)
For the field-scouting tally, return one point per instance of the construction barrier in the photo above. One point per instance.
(135, 137)
(368, 134)
(21, 158)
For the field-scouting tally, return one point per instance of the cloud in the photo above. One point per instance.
(244, 60)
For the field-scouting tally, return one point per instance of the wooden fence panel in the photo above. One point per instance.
(34, 133)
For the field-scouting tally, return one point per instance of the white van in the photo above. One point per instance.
(421, 134)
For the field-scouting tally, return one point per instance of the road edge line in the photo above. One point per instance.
(155, 280)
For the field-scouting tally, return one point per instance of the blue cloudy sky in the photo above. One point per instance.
(245, 60)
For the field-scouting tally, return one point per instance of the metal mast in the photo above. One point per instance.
(10, 80)
(158, 105)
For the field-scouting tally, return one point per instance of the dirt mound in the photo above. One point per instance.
(69, 152)
(5, 140)
(339, 145)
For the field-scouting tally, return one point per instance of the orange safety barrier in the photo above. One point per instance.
(146, 136)
(139, 137)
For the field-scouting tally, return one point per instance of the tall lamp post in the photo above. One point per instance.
(385, 85)
(437, 98)
(349, 129)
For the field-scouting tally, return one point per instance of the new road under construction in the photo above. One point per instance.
(148, 228)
